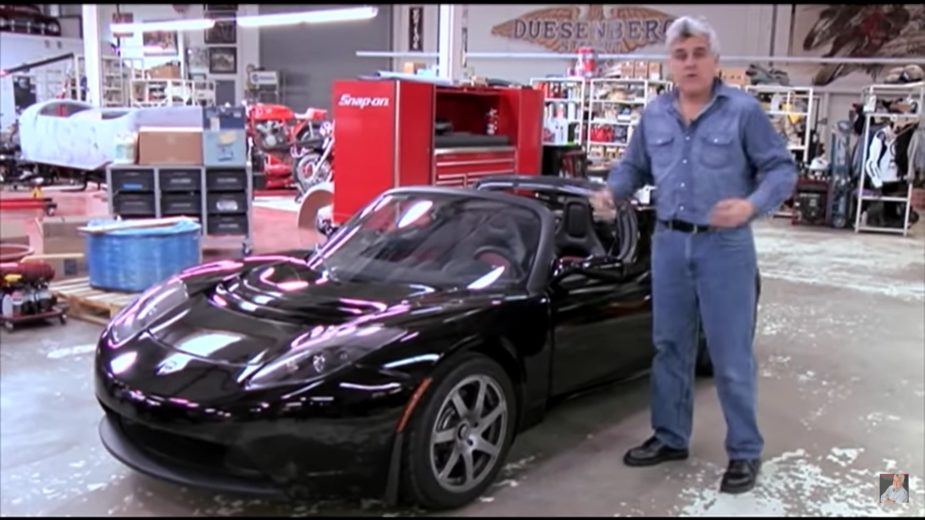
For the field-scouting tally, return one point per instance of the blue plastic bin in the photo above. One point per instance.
(132, 260)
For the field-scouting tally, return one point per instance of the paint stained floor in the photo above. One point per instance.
(841, 346)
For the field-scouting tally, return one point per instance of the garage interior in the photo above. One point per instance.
(840, 339)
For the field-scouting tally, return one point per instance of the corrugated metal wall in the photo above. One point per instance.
(310, 57)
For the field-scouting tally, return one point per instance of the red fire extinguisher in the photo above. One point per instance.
(587, 62)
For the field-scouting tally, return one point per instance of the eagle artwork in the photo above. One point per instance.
(617, 30)
(864, 31)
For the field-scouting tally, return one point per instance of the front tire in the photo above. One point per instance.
(460, 435)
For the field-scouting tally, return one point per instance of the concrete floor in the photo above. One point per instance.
(840, 343)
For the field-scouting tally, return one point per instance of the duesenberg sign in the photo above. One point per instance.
(617, 29)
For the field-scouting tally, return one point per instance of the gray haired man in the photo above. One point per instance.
(717, 164)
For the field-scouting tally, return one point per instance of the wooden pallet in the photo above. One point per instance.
(89, 304)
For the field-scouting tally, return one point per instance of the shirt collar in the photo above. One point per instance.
(719, 90)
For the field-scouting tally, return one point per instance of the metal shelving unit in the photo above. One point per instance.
(790, 96)
(567, 94)
(617, 103)
(916, 91)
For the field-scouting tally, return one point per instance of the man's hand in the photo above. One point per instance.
(602, 200)
(730, 213)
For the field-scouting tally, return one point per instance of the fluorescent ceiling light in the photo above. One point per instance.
(321, 16)
(176, 25)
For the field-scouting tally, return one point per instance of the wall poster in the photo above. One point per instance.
(857, 31)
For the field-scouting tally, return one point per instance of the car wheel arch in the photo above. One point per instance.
(496, 349)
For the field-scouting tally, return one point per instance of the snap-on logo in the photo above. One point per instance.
(346, 100)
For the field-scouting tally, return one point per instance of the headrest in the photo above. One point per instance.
(577, 216)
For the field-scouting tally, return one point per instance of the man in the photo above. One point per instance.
(895, 494)
(717, 164)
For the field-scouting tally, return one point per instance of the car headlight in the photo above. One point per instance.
(147, 309)
(321, 352)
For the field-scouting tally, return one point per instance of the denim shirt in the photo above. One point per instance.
(730, 150)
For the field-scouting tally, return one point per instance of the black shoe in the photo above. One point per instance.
(740, 476)
(652, 452)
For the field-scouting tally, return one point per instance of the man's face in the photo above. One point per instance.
(897, 481)
(692, 65)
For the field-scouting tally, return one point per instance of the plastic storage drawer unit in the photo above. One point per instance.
(230, 179)
(124, 179)
(227, 225)
(134, 205)
(180, 179)
(227, 202)
(181, 204)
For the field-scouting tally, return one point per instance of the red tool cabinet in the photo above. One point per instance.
(385, 137)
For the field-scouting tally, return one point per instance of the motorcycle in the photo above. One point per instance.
(313, 156)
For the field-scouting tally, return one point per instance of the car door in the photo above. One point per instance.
(602, 321)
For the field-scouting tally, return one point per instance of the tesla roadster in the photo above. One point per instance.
(401, 358)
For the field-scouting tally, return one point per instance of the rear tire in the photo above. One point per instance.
(445, 464)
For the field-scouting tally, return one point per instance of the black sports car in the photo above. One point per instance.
(401, 358)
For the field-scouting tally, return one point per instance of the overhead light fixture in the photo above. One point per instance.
(175, 25)
(320, 16)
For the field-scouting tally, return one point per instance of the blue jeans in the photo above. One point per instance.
(713, 273)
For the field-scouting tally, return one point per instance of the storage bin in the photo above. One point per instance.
(132, 179)
(179, 179)
(227, 202)
(133, 204)
(224, 148)
(226, 179)
(181, 204)
(132, 260)
(227, 225)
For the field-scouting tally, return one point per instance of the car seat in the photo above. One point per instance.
(576, 236)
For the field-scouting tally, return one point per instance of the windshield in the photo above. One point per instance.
(445, 241)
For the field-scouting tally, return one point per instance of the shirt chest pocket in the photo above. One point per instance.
(717, 150)
(660, 148)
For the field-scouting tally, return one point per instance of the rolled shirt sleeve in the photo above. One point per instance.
(775, 170)
(632, 171)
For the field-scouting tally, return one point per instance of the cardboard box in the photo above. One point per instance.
(625, 68)
(224, 148)
(411, 67)
(735, 76)
(165, 71)
(63, 246)
(13, 232)
(655, 70)
(170, 146)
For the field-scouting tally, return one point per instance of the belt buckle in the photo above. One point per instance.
(695, 229)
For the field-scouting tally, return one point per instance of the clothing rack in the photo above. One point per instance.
(869, 98)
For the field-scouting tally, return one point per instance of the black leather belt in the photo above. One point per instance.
(684, 227)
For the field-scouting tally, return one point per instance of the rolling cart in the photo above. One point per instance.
(221, 198)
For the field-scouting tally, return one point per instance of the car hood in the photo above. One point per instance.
(268, 311)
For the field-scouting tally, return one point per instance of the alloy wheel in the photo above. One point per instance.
(469, 433)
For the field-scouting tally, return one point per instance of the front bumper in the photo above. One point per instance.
(121, 446)
(333, 443)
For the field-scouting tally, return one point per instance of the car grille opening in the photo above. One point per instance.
(182, 451)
